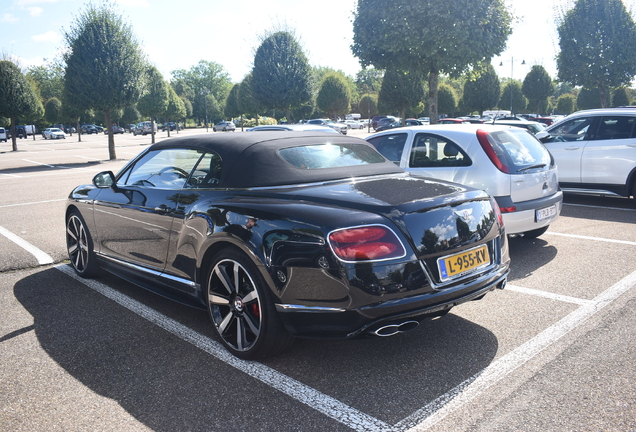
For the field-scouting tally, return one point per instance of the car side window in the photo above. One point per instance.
(435, 151)
(390, 146)
(162, 169)
(207, 173)
(572, 130)
(615, 127)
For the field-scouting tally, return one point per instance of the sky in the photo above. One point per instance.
(176, 35)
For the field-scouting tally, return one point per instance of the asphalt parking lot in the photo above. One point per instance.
(553, 351)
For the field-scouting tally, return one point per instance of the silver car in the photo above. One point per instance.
(595, 151)
(340, 127)
(53, 133)
(507, 162)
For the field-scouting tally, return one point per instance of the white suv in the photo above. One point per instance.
(595, 151)
(507, 162)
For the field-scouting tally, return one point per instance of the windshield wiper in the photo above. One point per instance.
(531, 167)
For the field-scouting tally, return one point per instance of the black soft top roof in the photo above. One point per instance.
(252, 159)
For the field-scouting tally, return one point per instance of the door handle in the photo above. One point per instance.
(163, 209)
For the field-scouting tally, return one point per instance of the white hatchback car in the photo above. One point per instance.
(595, 151)
(53, 133)
(507, 162)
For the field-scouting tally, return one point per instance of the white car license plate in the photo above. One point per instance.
(546, 213)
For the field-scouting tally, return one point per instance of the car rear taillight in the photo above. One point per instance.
(366, 243)
(497, 210)
(493, 150)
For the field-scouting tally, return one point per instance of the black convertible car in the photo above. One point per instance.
(281, 234)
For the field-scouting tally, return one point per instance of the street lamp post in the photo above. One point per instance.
(512, 66)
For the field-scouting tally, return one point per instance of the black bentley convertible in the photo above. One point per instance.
(282, 234)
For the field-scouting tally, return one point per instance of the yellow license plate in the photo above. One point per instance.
(463, 262)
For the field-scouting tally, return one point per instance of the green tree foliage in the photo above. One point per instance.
(512, 97)
(369, 80)
(537, 87)
(131, 115)
(205, 78)
(154, 102)
(18, 96)
(620, 97)
(104, 64)
(368, 105)
(334, 96)
(447, 101)
(176, 109)
(434, 37)
(482, 89)
(281, 77)
(232, 106)
(566, 104)
(249, 105)
(588, 99)
(401, 91)
(53, 110)
(49, 79)
(598, 46)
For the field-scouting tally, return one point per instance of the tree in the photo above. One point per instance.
(400, 91)
(334, 96)
(368, 105)
(447, 102)
(566, 104)
(49, 79)
(154, 102)
(53, 110)
(104, 64)
(369, 80)
(620, 97)
(18, 97)
(512, 96)
(588, 99)
(537, 87)
(249, 105)
(232, 106)
(434, 37)
(281, 77)
(598, 46)
(205, 78)
(482, 90)
(131, 115)
(176, 109)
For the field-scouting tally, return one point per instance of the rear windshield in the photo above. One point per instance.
(519, 150)
(330, 156)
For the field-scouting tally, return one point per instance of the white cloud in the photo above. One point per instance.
(35, 11)
(7, 18)
(30, 2)
(50, 36)
(133, 3)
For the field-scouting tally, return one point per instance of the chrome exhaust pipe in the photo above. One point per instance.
(393, 329)
(503, 283)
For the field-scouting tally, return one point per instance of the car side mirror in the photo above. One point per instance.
(104, 179)
(543, 136)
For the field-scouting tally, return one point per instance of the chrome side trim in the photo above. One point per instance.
(307, 309)
(154, 273)
(590, 191)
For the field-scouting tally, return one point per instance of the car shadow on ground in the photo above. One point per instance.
(33, 169)
(168, 384)
(528, 255)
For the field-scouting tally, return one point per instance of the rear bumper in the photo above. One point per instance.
(524, 218)
(341, 323)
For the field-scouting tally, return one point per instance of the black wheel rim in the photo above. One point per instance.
(234, 305)
(77, 243)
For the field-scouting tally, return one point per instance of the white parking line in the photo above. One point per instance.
(38, 163)
(327, 405)
(473, 386)
(42, 257)
(549, 295)
(34, 202)
(631, 243)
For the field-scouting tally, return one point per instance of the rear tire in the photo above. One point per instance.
(79, 245)
(241, 308)
(535, 233)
